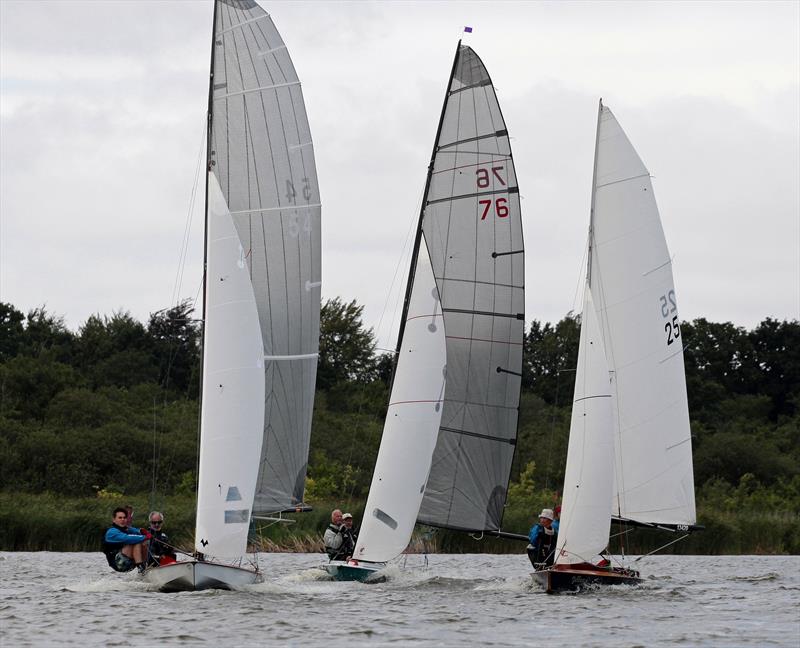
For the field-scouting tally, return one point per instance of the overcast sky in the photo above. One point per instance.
(102, 118)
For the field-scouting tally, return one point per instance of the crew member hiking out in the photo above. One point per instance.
(123, 546)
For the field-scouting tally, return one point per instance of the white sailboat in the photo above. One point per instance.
(630, 454)
(262, 298)
(450, 429)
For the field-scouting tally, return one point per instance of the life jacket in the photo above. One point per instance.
(546, 546)
(110, 549)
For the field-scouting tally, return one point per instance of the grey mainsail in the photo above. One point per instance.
(472, 229)
(260, 151)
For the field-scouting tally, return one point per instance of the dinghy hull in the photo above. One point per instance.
(192, 575)
(361, 572)
(557, 580)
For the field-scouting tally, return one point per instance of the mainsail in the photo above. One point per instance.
(452, 418)
(630, 276)
(261, 165)
(472, 227)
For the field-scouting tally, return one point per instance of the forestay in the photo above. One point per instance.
(472, 231)
(263, 157)
(589, 475)
(632, 285)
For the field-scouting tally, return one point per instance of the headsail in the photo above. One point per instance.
(633, 288)
(473, 232)
(262, 158)
(589, 476)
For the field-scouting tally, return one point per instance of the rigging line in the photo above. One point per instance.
(400, 262)
(188, 225)
(650, 553)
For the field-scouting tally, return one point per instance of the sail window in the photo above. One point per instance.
(237, 517)
(384, 517)
(233, 495)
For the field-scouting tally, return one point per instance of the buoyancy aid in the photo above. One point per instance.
(110, 549)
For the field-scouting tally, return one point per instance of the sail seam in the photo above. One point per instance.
(608, 184)
(258, 89)
(482, 283)
(242, 24)
(578, 400)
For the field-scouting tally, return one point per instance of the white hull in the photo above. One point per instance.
(194, 576)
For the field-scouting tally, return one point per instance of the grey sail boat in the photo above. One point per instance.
(451, 424)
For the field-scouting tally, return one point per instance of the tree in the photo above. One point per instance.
(549, 358)
(346, 348)
(11, 331)
(176, 339)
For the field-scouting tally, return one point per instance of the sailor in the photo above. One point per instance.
(161, 553)
(125, 547)
(334, 538)
(543, 538)
(350, 534)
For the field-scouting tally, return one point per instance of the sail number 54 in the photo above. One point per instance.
(669, 308)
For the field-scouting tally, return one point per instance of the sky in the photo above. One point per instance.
(102, 115)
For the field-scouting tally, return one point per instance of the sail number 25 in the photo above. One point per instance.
(484, 177)
(670, 308)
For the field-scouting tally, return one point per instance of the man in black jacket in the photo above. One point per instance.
(160, 550)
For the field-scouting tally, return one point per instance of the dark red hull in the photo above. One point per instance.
(555, 580)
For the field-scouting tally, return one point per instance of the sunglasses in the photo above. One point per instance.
(156, 522)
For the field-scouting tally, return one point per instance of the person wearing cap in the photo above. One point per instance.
(543, 538)
(350, 534)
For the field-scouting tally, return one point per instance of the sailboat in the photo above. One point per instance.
(261, 299)
(629, 457)
(450, 430)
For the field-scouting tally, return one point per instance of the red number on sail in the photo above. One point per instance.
(497, 175)
(483, 178)
(486, 204)
(500, 207)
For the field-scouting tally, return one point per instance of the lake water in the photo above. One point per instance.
(483, 600)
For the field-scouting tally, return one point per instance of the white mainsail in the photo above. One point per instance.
(263, 197)
(589, 476)
(632, 285)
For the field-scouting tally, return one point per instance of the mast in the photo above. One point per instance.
(418, 237)
(205, 232)
(594, 189)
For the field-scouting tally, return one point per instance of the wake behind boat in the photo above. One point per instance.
(261, 306)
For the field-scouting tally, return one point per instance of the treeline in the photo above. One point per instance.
(110, 411)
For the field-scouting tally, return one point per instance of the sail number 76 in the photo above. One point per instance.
(484, 179)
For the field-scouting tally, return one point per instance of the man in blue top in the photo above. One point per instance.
(543, 538)
(125, 547)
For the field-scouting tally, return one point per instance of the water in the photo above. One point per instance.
(484, 600)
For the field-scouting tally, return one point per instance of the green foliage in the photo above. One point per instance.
(346, 348)
(110, 413)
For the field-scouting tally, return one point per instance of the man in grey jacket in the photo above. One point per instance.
(335, 546)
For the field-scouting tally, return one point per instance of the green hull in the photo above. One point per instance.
(341, 571)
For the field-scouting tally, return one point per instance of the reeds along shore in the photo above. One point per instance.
(48, 522)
